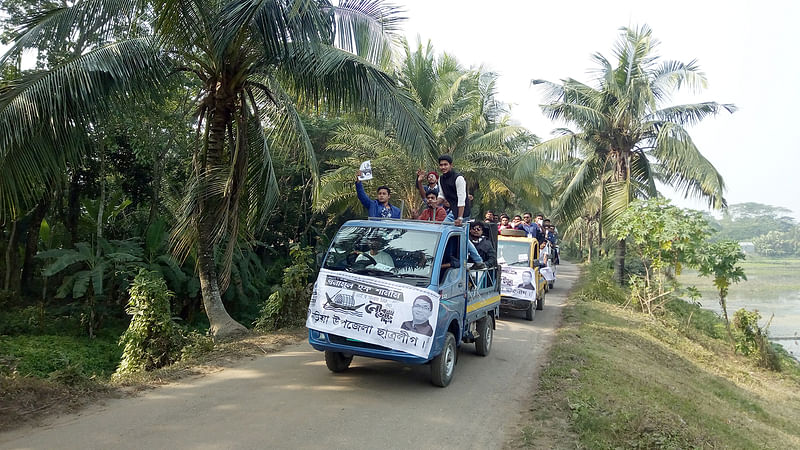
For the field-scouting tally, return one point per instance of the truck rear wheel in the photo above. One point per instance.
(337, 361)
(540, 302)
(483, 343)
(443, 366)
(531, 311)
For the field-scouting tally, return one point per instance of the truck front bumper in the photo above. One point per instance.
(326, 341)
(514, 304)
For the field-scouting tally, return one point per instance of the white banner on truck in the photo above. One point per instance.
(376, 311)
(518, 282)
(549, 273)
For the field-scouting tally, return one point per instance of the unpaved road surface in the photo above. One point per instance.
(290, 400)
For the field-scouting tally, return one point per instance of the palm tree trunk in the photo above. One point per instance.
(619, 263)
(589, 242)
(11, 255)
(73, 206)
(32, 242)
(158, 165)
(600, 236)
(221, 323)
(102, 205)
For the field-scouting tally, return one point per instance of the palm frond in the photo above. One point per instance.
(369, 29)
(347, 82)
(690, 114)
(684, 167)
(97, 18)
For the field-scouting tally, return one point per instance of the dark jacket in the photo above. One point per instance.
(486, 250)
(373, 207)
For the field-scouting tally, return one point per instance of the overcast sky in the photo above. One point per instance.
(747, 49)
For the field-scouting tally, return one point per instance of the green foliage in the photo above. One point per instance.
(41, 356)
(597, 285)
(288, 305)
(92, 273)
(747, 221)
(196, 345)
(752, 340)
(624, 136)
(664, 238)
(691, 317)
(720, 260)
(468, 122)
(619, 379)
(152, 339)
(115, 257)
(778, 244)
(250, 279)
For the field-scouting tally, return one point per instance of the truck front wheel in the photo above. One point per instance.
(483, 343)
(530, 312)
(337, 361)
(443, 366)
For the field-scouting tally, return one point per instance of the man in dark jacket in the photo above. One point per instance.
(379, 207)
(453, 189)
(482, 244)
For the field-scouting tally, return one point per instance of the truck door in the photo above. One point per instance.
(451, 279)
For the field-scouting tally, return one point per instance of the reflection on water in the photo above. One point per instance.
(786, 320)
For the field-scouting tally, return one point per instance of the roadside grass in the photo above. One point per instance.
(620, 379)
(46, 375)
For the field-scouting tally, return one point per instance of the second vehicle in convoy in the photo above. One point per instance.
(522, 285)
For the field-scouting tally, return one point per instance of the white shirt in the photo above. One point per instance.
(383, 260)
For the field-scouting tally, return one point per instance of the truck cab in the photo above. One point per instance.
(401, 290)
(518, 258)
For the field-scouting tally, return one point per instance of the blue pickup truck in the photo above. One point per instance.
(401, 290)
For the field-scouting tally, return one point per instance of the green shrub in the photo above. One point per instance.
(597, 284)
(195, 345)
(287, 306)
(691, 314)
(751, 339)
(41, 356)
(29, 320)
(152, 339)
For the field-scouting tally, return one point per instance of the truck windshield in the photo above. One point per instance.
(400, 255)
(513, 253)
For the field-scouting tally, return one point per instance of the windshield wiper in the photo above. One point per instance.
(371, 272)
(411, 275)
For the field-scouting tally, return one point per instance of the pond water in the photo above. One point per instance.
(784, 310)
(772, 288)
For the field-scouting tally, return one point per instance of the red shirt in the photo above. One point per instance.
(428, 214)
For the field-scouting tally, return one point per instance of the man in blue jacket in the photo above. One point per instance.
(380, 207)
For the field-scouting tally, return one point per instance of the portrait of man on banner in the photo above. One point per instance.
(421, 312)
(518, 282)
(527, 280)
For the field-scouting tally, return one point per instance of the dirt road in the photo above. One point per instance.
(290, 400)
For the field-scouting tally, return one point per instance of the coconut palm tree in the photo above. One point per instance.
(625, 138)
(467, 121)
(253, 64)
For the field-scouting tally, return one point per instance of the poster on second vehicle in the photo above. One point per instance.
(518, 282)
(376, 311)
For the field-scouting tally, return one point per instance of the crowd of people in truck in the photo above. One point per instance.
(446, 200)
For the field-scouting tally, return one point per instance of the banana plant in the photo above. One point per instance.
(87, 270)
